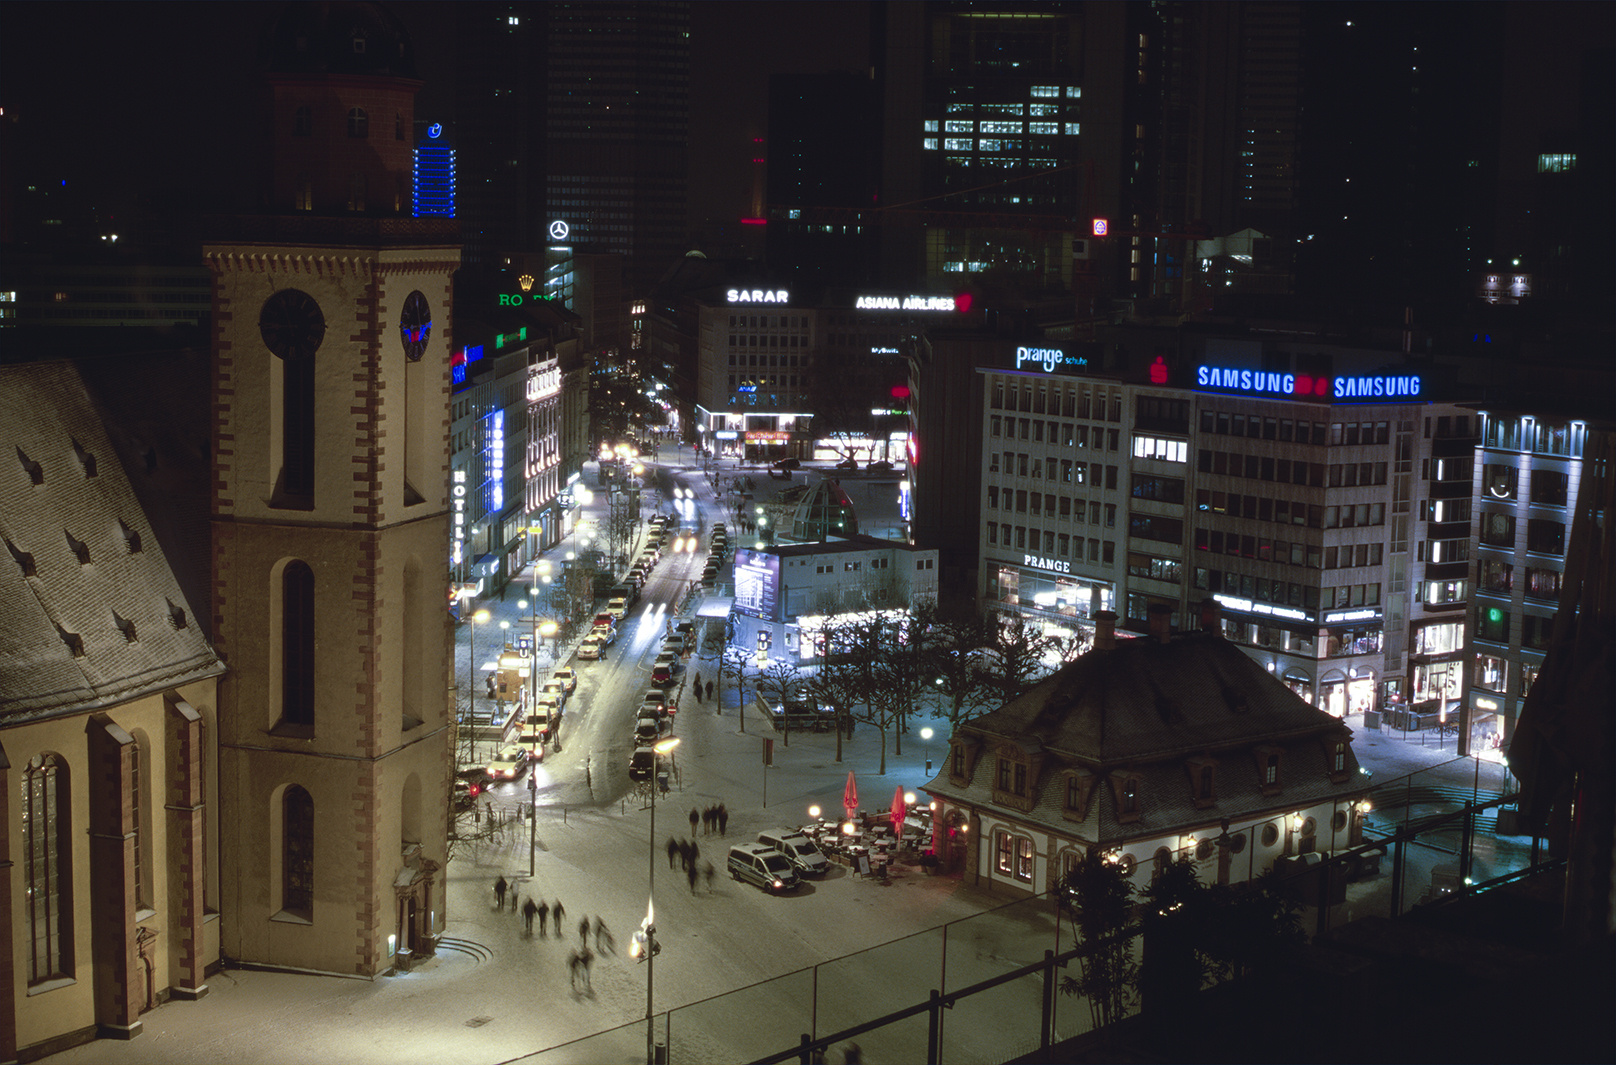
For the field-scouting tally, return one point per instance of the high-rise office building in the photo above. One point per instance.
(616, 111)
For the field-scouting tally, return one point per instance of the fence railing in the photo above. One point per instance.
(986, 988)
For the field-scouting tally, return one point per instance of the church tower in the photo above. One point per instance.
(331, 312)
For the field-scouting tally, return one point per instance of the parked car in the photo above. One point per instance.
(607, 634)
(797, 848)
(592, 648)
(567, 677)
(509, 763)
(617, 607)
(847, 464)
(465, 794)
(788, 464)
(674, 643)
(648, 730)
(557, 689)
(662, 676)
(763, 866)
(881, 466)
(605, 618)
(640, 763)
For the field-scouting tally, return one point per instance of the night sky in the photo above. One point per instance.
(127, 97)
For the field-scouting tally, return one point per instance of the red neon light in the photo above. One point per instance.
(1158, 371)
(900, 391)
(962, 302)
(754, 221)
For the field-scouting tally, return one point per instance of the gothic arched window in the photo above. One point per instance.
(47, 882)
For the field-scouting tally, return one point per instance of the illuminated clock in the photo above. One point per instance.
(415, 325)
(291, 324)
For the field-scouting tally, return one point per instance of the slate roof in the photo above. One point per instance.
(1146, 707)
(93, 613)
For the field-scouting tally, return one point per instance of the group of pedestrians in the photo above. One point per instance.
(694, 865)
(713, 819)
(581, 958)
(696, 686)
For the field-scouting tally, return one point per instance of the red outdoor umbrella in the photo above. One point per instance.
(850, 796)
(899, 810)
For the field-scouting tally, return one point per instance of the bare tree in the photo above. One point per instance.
(953, 658)
(1016, 652)
(732, 666)
(841, 681)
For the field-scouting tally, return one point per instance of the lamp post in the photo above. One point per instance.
(471, 682)
(650, 947)
(925, 740)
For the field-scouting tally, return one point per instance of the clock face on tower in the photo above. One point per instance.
(291, 324)
(415, 325)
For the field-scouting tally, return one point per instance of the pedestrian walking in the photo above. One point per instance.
(698, 685)
(500, 887)
(673, 850)
(692, 872)
(588, 959)
(583, 931)
(684, 853)
(709, 689)
(605, 942)
(706, 820)
(529, 910)
(723, 819)
(695, 816)
(557, 912)
(707, 875)
(544, 918)
(578, 965)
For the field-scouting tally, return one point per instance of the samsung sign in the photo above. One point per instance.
(1048, 359)
(1303, 386)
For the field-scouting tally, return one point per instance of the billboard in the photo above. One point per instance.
(757, 584)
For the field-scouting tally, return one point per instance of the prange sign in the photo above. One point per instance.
(1048, 360)
(757, 584)
(1344, 387)
(1053, 565)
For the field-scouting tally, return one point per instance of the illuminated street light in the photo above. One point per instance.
(925, 739)
(664, 747)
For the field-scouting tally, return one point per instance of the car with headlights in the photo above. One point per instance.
(567, 677)
(509, 763)
(617, 607)
(592, 649)
(763, 866)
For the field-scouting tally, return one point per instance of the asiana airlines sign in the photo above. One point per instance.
(1346, 387)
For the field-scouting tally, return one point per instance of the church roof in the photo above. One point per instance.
(94, 614)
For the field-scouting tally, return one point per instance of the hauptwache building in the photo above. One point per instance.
(1288, 477)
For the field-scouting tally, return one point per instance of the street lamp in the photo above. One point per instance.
(650, 947)
(471, 682)
(925, 740)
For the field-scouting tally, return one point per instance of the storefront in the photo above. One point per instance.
(1043, 590)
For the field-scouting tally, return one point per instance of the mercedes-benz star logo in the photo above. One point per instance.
(558, 230)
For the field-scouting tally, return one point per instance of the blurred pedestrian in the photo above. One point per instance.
(692, 872)
(707, 817)
(707, 875)
(529, 910)
(685, 858)
(710, 686)
(695, 817)
(723, 819)
(558, 912)
(673, 850)
(544, 918)
(605, 942)
(583, 931)
(500, 887)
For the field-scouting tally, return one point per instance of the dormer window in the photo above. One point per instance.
(957, 766)
(1130, 797)
(1270, 769)
(1203, 774)
(1125, 789)
(1079, 786)
(1338, 758)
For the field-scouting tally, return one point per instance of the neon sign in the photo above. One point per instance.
(758, 295)
(1303, 386)
(1048, 358)
(1251, 606)
(559, 230)
(1054, 565)
(905, 303)
(457, 497)
(516, 299)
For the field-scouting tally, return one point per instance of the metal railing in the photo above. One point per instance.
(986, 988)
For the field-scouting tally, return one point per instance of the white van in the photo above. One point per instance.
(763, 866)
(798, 848)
